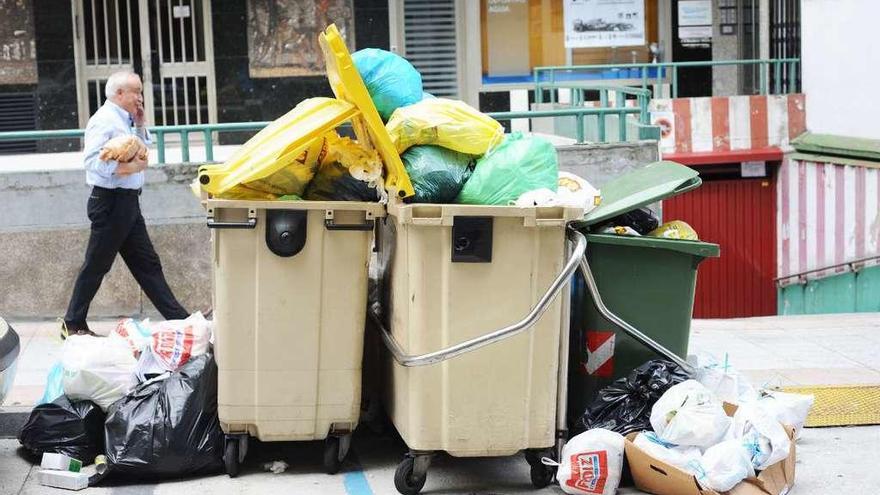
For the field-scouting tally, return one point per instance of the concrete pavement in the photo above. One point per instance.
(802, 350)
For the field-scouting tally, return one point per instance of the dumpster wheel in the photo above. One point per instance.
(407, 479)
(541, 474)
(230, 457)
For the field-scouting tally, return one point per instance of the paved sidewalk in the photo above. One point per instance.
(801, 350)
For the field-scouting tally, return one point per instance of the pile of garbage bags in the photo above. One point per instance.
(711, 424)
(452, 153)
(145, 397)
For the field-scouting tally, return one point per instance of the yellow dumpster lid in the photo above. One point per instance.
(347, 85)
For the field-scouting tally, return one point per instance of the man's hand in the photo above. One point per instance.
(134, 166)
(139, 116)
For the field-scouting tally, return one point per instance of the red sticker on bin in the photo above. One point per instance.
(600, 354)
(589, 471)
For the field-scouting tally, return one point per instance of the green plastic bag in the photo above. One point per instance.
(437, 174)
(518, 165)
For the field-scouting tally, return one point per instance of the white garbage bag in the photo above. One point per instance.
(724, 465)
(722, 379)
(682, 457)
(689, 414)
(537, 197)
(592, 463)
(176, 341)
(97, 369)
(786, 408)
(576, 192)
(763, 437)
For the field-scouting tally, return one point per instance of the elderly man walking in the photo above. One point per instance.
(114, 210)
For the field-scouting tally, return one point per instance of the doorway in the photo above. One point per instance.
(168, 42)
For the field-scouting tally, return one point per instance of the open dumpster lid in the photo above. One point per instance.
(657, 181)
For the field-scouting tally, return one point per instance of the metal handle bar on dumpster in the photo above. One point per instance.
(626, 327)
(498, 335)
(367, 226)
(250, 224)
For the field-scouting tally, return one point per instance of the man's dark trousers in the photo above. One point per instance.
(118, 227)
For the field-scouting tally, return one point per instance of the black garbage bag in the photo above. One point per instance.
(625, 405)
(642, 220)
(333, 182)
(168, 428)
(437, 173)
(64, 427)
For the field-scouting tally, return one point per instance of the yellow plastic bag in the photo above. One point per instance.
(451, 124)
(349, 172)
(675, 229)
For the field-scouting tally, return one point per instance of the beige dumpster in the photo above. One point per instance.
(466, 378)
(290, 285)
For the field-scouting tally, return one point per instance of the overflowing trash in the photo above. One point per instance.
(442, 122)
(275, 467)
(437, 173)
(592, 463)
(168, 427)
(675, 229)
(518, 165)
(390, 79)
(145, 395)
(625, 405)
(681, 438)
(71, 428)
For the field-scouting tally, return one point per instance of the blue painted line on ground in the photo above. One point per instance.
(356, 483)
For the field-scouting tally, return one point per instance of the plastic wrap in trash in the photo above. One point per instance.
(592, 463)
(786, 408)
(680, 456)
(136, 335)
(642, 220)
(518, 165)
(675, 229)
(723, 466)
(572, 191)
(72, 428)
(54, 387)
(452, 124)
(689, 414)
(625, 405)
(174, 342)
(291, 179)
(390, 79)
(168, 428)
(349, 172)
(437, 174)
(763, 436)
(97, 369)
(722, 379)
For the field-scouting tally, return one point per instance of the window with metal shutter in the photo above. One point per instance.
(431, 44)
(17, 113)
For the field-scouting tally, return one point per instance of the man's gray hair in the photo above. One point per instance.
(117, 81)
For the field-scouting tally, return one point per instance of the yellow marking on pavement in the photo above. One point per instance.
(841, 405)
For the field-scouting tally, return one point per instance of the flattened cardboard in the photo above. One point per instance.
(655, 476)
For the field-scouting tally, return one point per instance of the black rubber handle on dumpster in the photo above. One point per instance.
(367, 226)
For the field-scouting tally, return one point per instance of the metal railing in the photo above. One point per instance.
(161, 133)
(848, 267)
(618, 107)
(550, 77)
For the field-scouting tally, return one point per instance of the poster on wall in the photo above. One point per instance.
(695, 21)
(18, 52)
(283, 35)
(604, 23)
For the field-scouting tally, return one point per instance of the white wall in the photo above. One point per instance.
(841, 66)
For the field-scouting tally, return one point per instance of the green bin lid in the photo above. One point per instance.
(656, 181)
(694, 248)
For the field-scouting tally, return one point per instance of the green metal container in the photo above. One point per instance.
(647, 281)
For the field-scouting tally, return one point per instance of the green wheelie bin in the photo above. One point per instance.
(646, 281)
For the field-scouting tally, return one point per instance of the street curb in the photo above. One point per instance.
(11, 423)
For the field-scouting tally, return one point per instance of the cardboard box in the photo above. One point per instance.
(655, 476)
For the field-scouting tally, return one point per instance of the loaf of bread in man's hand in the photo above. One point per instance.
(123, 149)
